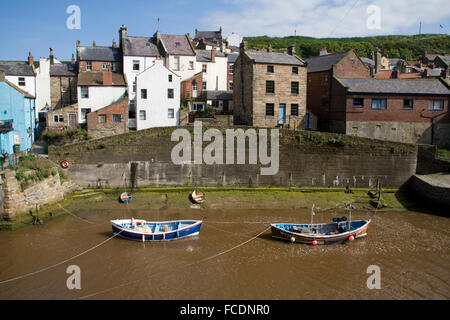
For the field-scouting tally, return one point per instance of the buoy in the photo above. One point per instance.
(314, 243)
(292, 239)
(352, 238)
(65, 164)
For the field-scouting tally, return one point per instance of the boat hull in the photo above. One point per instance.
(321, 239)
(189, 231)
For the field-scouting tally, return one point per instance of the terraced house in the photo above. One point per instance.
(269, 89)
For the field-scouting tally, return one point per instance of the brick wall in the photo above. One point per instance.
(187, 85)
(97, 66)
(97, 129)
(351, 67)
(230, 76)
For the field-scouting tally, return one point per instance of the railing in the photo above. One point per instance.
(6, 125)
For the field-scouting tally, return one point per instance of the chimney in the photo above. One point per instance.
(52, 57)
(78, 43)
(291, 50)
(107, 78)
(377, 60)
(114, 43)
(30, 59)
(243, 47)
(323, 52)
(158, 37)
(122, 35)
(196, 32)
(213, 55)
(269, 48)
(93, 44)
(2, 75)
(73, 58)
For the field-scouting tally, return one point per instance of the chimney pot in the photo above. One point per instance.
(2, 75)
(107, 78)
(291, 50)
(243, 46)
(213, 55)
(30, 59)
(78, 43)
(73, 58)
(52, 57)
(93, 44)
(269, 48)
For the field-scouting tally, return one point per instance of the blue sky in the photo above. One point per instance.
(38, 25)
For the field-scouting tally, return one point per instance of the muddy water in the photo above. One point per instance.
(411, 249)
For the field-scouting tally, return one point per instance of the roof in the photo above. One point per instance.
(368, 62)
(64, 70)
(96, 79)
(109, 54)
(208, 34)
(205, 55)
(232, 57)
(445, 59)
(219, 95)
(325, 62)
(275, 58)
(17, 69)
(396, 86)
(26, 94)
(142, 47)
(177, 45)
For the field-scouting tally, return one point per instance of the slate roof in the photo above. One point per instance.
(96, 79)
(108, 54)
(445, 59)
(64, 70)
(219, 95)
(324, 63)
(177, 45)
(275, 58)
(17, 69)
(142, 47)
(232, 57)
(396, 86)
(368, 62)
(205, 55)
(208, 35)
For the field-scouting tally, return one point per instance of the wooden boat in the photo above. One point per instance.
(340, 230)
(126, 197)
(142, 230)
(198, 197)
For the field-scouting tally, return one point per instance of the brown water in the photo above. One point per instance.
(411, 249)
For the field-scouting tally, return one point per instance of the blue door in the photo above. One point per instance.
(307, 121)
(282, 116)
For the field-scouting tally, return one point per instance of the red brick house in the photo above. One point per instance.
(99, 59)
(192, 93)
(404, 110)
(321, 71)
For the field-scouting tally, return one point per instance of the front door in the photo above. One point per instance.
(72, 120)
(282, 115)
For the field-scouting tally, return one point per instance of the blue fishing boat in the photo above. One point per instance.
(141, 230)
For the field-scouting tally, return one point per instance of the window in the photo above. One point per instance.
(136, 65)
(22, 81)
(171, 113)
(294, 87)
(231, 69)
(142, 115)
(215, 104)
(58, 118)
(295, 70)
(270, 86)
(435, 105)
(270, 109)
(170, 94)
(170, 78)
(204, 68)
(105, 67)
(63, 89)
(102, 118)
(270, 69)
(231, 85)
(294, 109)
(197, 106)
(88, 65)
(358, 103)
(191, 65)
(117, 118)
(113, 67)
(379, 104)
(176, 63)
(144, 94)
(85, 112)
(194, 85)
(408, 104)
(204, 85)
(134, 85)
(84, 92)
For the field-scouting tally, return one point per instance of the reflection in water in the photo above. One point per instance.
(227, 262)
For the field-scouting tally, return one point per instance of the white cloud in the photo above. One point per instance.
(324, 18)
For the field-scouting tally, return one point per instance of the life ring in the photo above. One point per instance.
(65, 164)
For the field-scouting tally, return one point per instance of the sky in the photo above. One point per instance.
(36, 26)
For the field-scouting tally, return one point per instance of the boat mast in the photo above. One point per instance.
(350, 207)
(312, 214)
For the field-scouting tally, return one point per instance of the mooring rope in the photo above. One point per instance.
(74, 215)
(59, 263)
(179, 266)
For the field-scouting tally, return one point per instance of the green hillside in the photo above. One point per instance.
(411, 47)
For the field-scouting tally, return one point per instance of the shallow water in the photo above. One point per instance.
(411, 249)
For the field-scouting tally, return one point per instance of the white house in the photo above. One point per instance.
(234, 40)
(97, 90)
(158, 97)
(43, 97)
(179, 53)
(214, 66)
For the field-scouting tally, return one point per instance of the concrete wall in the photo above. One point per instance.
(301, 165)
(433, 189)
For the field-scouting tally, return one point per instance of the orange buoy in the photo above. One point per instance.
(352, 238)
(314, 243)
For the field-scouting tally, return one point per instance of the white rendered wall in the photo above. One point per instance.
(30, 83)
(43, 85)
(216, 73)
(99, 97)
(185, 72)
(130, 74)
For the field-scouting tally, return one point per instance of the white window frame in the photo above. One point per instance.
(88, 65)
(171, 113)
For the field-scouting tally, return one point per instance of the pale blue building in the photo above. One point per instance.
(17, 121)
